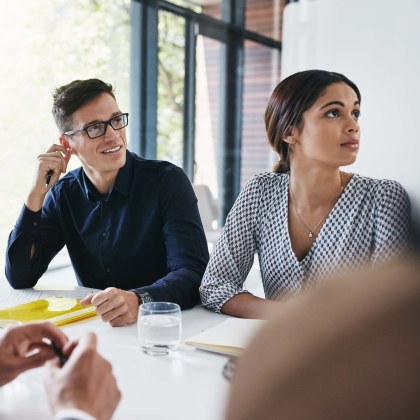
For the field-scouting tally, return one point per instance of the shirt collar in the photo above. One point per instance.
(124, 177)
(122, 183)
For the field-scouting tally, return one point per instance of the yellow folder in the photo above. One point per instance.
(58, 310)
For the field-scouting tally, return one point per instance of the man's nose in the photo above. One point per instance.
(110, 132)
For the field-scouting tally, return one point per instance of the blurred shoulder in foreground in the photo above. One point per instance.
(347, 349)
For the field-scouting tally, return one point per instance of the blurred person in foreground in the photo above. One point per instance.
(349, 348)
(83, 389)
(131, 225)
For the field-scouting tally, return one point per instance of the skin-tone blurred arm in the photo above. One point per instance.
(85, 382)
(116, 306)
(17, 348)
(246, 305)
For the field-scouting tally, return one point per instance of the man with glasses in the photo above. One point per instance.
(131, 225)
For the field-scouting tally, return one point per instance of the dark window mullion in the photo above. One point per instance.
(144, 72)
(231, 124)
(189, 98)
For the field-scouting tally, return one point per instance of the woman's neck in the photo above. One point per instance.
(314, 188)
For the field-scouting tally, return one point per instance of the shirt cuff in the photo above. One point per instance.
(73, 414)
(29, 220)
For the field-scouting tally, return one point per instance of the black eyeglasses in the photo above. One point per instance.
(99, 129)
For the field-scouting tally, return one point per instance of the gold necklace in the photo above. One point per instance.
(311, 231)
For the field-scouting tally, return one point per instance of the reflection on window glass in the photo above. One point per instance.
(206, 157)
(171, 71)
(261, 74)
(45, 44)
(264, 17)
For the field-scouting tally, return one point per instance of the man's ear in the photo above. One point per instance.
(64, 142)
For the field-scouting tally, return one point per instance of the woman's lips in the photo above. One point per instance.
(351, 144)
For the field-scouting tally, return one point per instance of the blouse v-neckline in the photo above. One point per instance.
(324, 226)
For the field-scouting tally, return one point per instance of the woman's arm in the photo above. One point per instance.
(233, 256)
(246, 305)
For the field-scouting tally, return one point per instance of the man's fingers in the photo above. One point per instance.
(86, 343)
(36, 359)
(120, 321)
(87, 300)
(114, 313)
(57, 148)
(33, 334)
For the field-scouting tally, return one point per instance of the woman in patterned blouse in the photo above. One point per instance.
(307, 218)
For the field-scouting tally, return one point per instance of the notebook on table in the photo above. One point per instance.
(230, 337)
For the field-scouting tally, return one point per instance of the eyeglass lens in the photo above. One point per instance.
(99, 129)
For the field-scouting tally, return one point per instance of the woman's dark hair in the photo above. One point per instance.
(69, 98)
(289, 100)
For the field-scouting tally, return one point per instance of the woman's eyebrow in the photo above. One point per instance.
(337, 103)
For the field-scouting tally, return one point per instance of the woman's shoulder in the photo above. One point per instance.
(262, 186)
(380, 188)
(269, 179)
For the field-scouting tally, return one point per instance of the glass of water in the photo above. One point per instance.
(159, 327)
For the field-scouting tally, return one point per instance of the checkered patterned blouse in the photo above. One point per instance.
(368, 224)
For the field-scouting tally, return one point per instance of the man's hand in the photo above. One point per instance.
(116, 306)
(55, 160)
(85, 382)
(22, 348)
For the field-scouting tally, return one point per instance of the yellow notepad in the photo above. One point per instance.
(58, 310)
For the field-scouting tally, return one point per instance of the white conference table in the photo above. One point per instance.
(187, 384)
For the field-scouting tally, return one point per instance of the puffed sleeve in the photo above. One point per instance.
(233, 256)
(392, 218)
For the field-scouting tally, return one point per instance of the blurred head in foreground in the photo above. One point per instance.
(346, 349)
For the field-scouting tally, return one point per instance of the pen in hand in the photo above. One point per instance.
(59, 353)
(48, 179)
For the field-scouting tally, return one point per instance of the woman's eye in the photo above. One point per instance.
(333, 113)
(356, 114)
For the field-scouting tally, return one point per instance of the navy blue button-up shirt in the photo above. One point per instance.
(146, 234)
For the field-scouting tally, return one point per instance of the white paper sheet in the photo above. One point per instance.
(10, 297)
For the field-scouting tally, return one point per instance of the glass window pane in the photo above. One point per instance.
(171, 58)
(206, 7)
(207, 122)
(45, 44)
(261, 74)
(264, 17)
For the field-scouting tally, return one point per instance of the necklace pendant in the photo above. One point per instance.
(310, 234)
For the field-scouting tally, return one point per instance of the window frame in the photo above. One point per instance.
(231, 31)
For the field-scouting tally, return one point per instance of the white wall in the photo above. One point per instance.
(376, 43)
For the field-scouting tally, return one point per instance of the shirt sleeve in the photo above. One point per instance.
(40, 230)
(392, 218)
(185, 242)
(233, 256)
